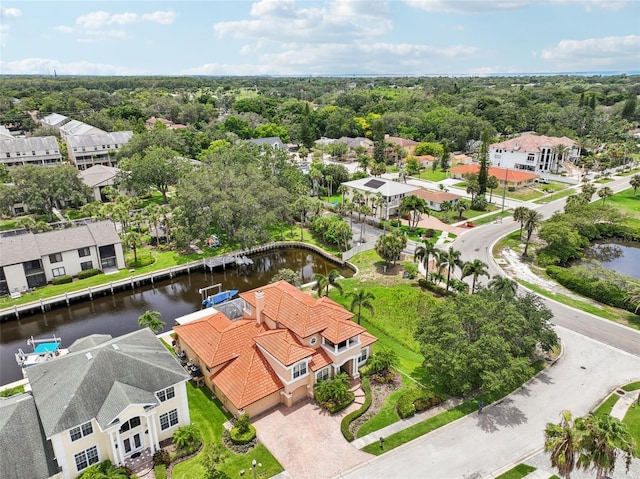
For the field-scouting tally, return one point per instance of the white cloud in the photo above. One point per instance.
(482, 6)
(595, 53)
(165, 17)
(6, 15)
(283, 21)
(46, 66)
(94, 23)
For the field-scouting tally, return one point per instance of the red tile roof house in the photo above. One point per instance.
(286, 341)
(515, 178)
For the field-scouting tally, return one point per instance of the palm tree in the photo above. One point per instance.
(361, 299)
(383, 360)
(461, 206)
(424, 253)
(604, 437)
(474, 268)
(449, 259)
(531, 222)
(186, 436)
(459, 286)
(633, 295)
(473, 188)
(559, 151)
(323, 282)
(365, 210)
(605, 193)
(563, 442)
(492, 184)
(587, 190)
(519, 215)
(151, 320)
(436, 277)
(154, 212)
(132, 240)
(503, 286)
(635, 183)
(445, 207)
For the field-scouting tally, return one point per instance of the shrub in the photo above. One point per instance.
(411, 270)
(246, 437)
(601, 290)
(349, 418)
(162, 457)
(87, 273)
(430, 233)
(243, 423)
(404, 406)
(62, 280)
(511, 189)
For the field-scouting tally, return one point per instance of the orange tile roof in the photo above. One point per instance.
(298, 311)
(422, 158)
(247, 379)
(513, 176)
(283, 345)
(367, 338)
(205, 337)
(533, 143)
(319, 360)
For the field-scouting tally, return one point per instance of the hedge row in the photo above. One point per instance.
(352, 416)
(62, 279)
(416, 400)
(87, 273)
(594, 288)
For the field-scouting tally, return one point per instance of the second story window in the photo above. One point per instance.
(166, 394)
(81, 431)
(299, 370)
(55, 258)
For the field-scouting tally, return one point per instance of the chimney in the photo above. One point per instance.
(259, 305)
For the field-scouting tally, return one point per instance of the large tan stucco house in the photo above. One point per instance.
(285, 342)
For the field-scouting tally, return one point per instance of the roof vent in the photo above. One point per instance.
(116, 347)
(89, 356)
(516, 146)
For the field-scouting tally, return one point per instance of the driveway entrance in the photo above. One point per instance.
(307, 440)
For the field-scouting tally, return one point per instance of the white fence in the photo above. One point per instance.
(347, 255)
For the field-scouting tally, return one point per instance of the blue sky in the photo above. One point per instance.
(335, 37)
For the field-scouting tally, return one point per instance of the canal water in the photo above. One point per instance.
(118, 314)
(623, 258)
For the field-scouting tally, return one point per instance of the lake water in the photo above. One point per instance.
(118, 314)
(621, 257)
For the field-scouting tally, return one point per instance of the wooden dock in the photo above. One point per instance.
(240, 258)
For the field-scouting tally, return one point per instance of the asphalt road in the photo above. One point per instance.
(599, 355)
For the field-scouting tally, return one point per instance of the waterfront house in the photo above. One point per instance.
(391, 191)
(106, 399)
(30, 260)
(284, 343)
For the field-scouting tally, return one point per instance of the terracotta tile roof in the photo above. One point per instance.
(436, 196)
(216, 339)
(422, 158)
(403, 142)
(301, 313)
(247, 379)
(533, 143)
(366, 339)
(283, 345)
(319, 360)
(340, 330)
(513, 176)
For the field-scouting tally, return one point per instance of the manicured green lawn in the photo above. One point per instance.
(524, 194)
(491, 218)
(632, 386)
(632, 420)
(555, 196)
(11, 391)
(209, 417)
(430, 175)
(605, 408)
(603, 180)
(387, 414)
(625, 201)
(518, 472)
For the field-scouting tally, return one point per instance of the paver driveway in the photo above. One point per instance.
(307, 441)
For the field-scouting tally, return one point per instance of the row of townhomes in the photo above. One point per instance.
(116, 398)
(31, 260)
(104, 399)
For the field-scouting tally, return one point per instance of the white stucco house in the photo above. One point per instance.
(369, 188)
(534, 153)
(31, 260)
(108, 398)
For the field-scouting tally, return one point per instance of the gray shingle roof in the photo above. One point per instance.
(25, 450)
(75, 127)
(27, 145)
(274, 141)
(29, 246)
(89, 342)
(98, 175)
(75, 388)
(54, 119)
